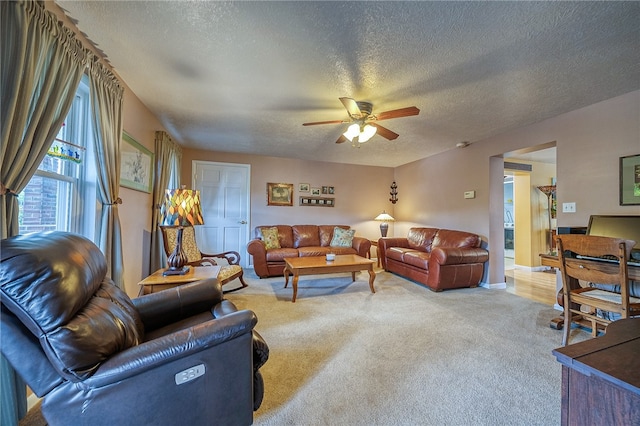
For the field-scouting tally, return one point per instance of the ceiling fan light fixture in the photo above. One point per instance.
(367, 133)
(352, 131)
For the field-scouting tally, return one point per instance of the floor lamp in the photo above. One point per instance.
(549, 191)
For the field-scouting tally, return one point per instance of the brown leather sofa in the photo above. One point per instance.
(438, 258)
(299, 241)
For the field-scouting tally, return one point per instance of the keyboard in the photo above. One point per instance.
(609, 258)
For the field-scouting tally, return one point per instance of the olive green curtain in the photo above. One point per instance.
(167, 175)
(41, 66)
(106, 109)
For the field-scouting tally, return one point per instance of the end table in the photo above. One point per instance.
(157, 281)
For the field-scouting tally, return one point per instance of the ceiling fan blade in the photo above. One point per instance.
(396, 113)
(341, 139)
(324, 122)
(352, 107)
(384, 132)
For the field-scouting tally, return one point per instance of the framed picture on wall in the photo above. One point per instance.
(303, 187)
(279, 194)
(136, 165)
(630, 180)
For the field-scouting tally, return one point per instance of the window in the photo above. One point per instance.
(62, 193)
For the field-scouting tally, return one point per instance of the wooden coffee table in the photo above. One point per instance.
(297, 266)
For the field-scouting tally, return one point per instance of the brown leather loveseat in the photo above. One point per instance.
(438, 258)
(298, 241)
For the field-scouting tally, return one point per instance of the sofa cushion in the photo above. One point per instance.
(313, 251)
(455, 239)
(270, 238)
(397, 253)
(342, 237)
(417, 258)
(421, 238)
(305, 236)
(278, 255)
(326, 233)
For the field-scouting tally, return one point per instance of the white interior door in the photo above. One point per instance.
(224, 195)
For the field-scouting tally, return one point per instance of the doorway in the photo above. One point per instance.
(524, 171)
(509, 222)
(224, 195)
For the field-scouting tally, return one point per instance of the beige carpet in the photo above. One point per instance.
(403, 356)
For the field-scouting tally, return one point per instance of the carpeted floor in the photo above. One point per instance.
(403, 356)
(341, 355)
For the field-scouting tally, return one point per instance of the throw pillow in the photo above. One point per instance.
(342, 237)
(270, 238)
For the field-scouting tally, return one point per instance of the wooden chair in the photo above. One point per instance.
(195, 257)
(607, 282)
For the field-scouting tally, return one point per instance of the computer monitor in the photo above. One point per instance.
(627, 227)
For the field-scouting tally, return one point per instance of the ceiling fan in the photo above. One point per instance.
(364, 126)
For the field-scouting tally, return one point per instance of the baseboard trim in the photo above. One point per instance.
(532, 268)
(494, 286)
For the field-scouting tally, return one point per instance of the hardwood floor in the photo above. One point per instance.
(539, 286)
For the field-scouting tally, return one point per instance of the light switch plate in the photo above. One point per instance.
(470, 194)
(568, 207)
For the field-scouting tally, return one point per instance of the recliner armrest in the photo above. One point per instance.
(171, 305)
(171, 347)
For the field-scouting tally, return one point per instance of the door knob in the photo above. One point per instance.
(243, 222)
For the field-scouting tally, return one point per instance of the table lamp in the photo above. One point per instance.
(181, 208)
(385, 218)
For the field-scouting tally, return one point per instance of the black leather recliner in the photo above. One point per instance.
(96, 357)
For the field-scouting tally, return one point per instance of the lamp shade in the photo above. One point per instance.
(352, 131)
(362, 132)
(384, 217)
(367, 133)
(181, 208)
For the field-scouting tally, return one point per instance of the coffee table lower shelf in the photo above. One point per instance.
(297, 266)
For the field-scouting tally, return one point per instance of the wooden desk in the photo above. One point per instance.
(157, 281)
(553, 262)
(601, 377)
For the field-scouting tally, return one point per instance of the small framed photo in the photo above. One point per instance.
(303, 187)
(315, 191)
(279, 194)
(136, 165)
(630, 180)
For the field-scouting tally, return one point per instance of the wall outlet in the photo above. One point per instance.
(568, 207)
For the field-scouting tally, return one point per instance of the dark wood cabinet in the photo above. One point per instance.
(601, 377)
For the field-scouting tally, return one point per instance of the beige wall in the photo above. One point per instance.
(135, 210)
(361, 192)
(589, 143)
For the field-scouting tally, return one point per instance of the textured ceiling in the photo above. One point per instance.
(244, 76)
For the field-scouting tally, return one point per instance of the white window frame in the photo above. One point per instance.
(79, 216)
